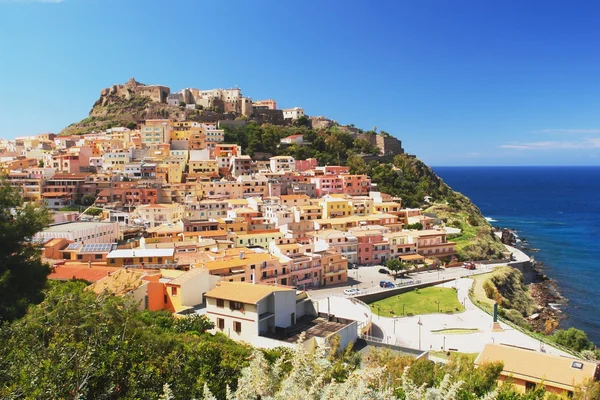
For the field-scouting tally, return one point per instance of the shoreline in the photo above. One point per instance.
(544, 290)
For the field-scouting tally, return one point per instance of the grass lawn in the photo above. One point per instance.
(423, 301)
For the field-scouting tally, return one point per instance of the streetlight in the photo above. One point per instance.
(419, 323)
(378, 312)
(403, 313)
(395, 316)
(438, 304)
(444, 346)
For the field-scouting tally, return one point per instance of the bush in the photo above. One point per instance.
(516, 318)
(574, 339)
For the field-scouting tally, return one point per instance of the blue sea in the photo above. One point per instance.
(557, 210)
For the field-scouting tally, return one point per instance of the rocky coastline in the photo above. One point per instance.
(544, 290)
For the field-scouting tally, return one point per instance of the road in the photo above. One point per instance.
(367, 279)
(406, 331)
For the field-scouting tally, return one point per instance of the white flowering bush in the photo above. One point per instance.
(310, 379)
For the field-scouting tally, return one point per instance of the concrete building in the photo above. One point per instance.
(293, 113)
(82, 232)
(282, 164)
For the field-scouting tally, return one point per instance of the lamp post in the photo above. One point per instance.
(395, 316)
(438, 304)
(403, 313)
(378, 312)
(420, 324)
(444, 346)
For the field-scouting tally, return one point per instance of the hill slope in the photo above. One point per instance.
(402, 176)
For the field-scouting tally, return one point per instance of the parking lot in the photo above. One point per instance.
(367, 278)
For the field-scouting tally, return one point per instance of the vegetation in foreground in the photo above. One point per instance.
(77, 344)
(419, 301)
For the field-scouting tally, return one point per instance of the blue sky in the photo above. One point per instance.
(459, 82)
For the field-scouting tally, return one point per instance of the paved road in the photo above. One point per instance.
(367, 279)
(405, 331)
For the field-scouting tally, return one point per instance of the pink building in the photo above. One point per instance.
(327, 184)
(356, 185)
(66, 163)
(373, 249)
(336, 170)
(269, 104)
(305, 165)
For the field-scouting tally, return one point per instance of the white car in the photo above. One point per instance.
(352, 292)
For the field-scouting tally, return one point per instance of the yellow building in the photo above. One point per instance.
(336, 207)
(203, 167)
(141, 258)
(233, 224)
(256, 238)
(171, 173)
(526, 369)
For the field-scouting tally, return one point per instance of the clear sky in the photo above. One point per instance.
(459, 82)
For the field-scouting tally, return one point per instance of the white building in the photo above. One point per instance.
(82, 232)
(293, 113)
(272, 316)
(282, 164)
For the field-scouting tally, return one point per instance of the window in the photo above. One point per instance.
(237, 326)
(221, 323)
(529, 386)
(79, 257)
(98, 256)
(236, 305)
(174, 291)
(165, 299)
(220, 303)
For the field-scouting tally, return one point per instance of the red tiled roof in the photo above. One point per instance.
(80, 271)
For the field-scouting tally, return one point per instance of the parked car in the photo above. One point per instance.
(384, 271)
(352, 292)
(386, 284)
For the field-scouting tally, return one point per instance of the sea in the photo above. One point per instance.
(557, 210)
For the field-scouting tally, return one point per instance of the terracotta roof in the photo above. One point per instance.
(247, 293)
(120, 283)
(183, 278)
(80, 271)
(533, 366)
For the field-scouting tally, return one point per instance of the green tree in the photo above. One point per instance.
(573, 338)
(396, 266)
(22, 272)
(88, 199)
(182, 104)
(41, 163)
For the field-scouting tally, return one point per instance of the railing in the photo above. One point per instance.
(151, 266)
(531, 334)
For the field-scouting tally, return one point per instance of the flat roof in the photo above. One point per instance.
(311, 327)
(130, 253)
(244, 292)
(77, 226)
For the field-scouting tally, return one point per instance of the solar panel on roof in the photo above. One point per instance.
(73, 246)
(96, 247)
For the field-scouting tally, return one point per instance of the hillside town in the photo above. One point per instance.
(268, 248)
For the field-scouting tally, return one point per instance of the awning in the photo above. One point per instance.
(237, 270)
(412, 257)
